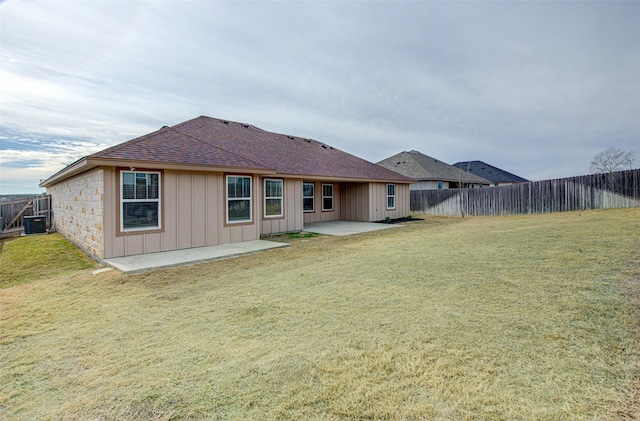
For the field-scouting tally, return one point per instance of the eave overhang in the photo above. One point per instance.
(88, 163)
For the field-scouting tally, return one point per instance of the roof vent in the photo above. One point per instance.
(307, 140)
(246, 126)
(291, 137)
(225, 122)
(324, 146)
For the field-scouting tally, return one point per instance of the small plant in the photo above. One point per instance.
(303, 235)
(387, 220)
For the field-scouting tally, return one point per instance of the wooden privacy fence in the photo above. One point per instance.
(595, 191)
(12, 213)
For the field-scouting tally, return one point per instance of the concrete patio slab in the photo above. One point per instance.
(166, 259)
(340, 228)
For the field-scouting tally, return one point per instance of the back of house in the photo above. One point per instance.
(209, 181)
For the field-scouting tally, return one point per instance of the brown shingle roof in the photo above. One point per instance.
(170, 146)
(283, 153)
(215, 142)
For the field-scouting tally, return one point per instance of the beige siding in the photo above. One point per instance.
(429, 185)
(192, 212)
(355, 201)
(292, 204)
(86, 210)
(378, 202)
(77, 211)
(318, 215)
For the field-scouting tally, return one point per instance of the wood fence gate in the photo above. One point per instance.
(12, 213)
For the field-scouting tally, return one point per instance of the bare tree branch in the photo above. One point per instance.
(611, 160)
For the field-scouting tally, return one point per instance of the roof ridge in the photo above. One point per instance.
(217, 147)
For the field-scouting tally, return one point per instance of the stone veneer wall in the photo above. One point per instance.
(78, 213)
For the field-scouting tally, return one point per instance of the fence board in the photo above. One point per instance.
(596, 191)
(12, 213)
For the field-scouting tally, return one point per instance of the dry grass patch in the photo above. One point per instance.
(528, 317)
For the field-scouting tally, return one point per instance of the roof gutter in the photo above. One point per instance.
(70, 170)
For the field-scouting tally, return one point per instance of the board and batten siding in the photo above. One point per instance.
(378, 202)
(193, 215)
(367, 202)
(355, 201)
(292, 220)
(318, 215)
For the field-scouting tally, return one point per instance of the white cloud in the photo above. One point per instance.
(533, 87)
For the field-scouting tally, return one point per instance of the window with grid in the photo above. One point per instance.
(139, 200)
(327, 197)
(391, 196)
(272, 198)
(238, 199)
(308, 197)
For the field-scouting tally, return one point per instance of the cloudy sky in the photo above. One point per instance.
(535, 88)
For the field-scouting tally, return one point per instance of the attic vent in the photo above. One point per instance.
(225, 122)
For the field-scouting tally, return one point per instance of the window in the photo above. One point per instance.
(307, 197)
(391, 196)
(272, 198)
(327, 197)
(238, 199)
(140, 200)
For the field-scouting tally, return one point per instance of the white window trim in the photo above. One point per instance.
(281, 214)
(391, 195)
(313, 197)
(324, 197)
(123, 201)
(250, 199)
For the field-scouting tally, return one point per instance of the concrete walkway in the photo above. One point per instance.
(345, 227)
(166, 259)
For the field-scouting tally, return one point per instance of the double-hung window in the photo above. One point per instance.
(272, 198)
(238, 199)
(327, 197)
(391, 196)
(139, 200)
(308, 197)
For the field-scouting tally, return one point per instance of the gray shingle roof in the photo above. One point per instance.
(423, 167)
(494, 174)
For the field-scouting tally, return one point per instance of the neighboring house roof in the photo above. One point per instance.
(496, 175)
(226, 145)
(423, 167)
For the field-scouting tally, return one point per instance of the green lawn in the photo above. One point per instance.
(524, 317)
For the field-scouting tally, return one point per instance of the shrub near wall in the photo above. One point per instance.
(78, 210)
(596, 191)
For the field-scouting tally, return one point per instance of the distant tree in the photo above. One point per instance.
(611, 160)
